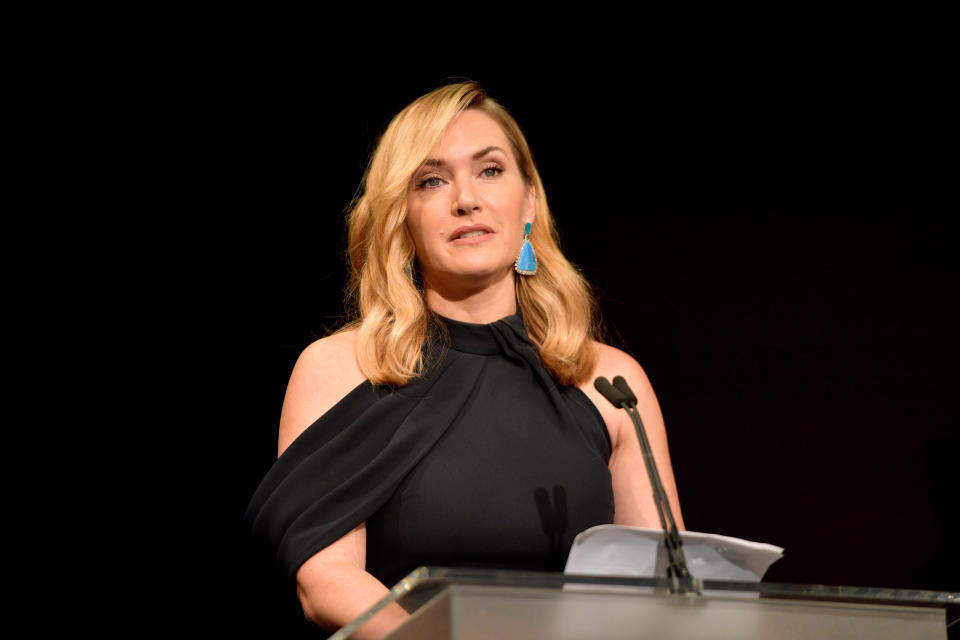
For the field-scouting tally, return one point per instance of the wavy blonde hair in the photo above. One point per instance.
(383, 295)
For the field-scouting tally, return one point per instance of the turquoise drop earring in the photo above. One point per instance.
(526, 262)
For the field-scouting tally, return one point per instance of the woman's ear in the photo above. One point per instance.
(530, 204)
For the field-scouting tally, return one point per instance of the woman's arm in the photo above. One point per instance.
(632, 492)
(334, 588)
(332, 585)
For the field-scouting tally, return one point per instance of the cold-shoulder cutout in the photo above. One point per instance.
(610, 358)
(631, 487)
(324, 374)
(613, 362)
(385, 456)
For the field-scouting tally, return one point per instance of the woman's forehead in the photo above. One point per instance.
(471, 132)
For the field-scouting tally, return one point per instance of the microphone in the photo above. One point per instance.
(622, 386)
(620, 395)
(610, 392)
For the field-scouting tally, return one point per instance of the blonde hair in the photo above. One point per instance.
(383, 295)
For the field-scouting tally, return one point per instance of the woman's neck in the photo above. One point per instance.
(482, 305)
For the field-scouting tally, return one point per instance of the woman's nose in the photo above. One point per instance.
(466, 201)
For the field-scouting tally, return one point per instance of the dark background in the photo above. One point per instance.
(770, 225)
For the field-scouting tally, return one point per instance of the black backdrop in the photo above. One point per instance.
(770, 227)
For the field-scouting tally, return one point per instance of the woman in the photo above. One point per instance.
(481, 440)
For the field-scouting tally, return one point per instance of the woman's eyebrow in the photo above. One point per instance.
(434, 162)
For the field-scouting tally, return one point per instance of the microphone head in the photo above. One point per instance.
(624, 389)
(608, 391)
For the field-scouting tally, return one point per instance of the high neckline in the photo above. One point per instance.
(480, 339)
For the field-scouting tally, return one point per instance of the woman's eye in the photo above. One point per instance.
(430, 183)
(435, 181)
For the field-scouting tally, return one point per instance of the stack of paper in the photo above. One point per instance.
(617, 550)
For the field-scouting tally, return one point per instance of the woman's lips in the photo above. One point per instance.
(472, 234)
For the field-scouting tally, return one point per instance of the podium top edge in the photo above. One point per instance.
(434, 576)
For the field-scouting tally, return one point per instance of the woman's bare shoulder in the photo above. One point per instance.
(330, 352)
(613, 362)
(325, 372)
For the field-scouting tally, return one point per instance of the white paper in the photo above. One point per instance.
(617, 550)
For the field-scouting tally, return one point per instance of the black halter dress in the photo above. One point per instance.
(484, 461)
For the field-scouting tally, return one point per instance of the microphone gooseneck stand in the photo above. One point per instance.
(681, 582)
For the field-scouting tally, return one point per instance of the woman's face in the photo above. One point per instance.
(467, 205)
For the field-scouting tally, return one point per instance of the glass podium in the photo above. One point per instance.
(467, 604)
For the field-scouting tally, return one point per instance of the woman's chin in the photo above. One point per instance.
(475, 275)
